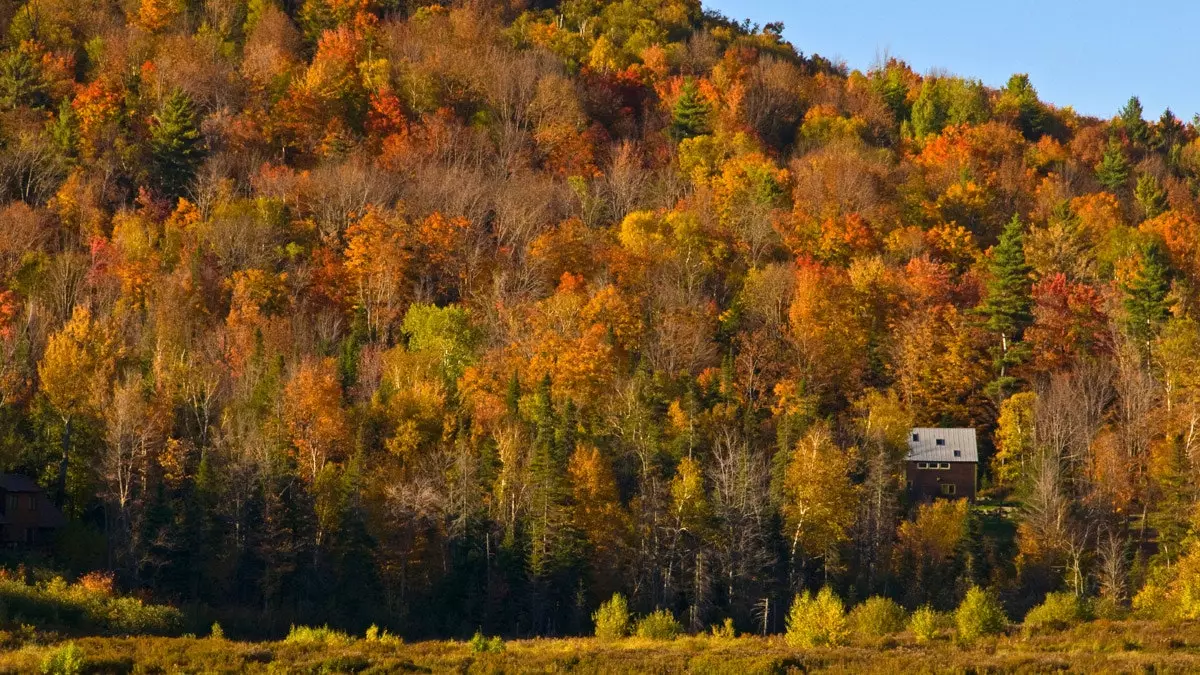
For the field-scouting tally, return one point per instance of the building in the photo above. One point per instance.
(27, 516)
(941, 463)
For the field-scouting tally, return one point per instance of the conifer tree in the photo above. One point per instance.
(1131, 119)
(1008, 304)
(175, 143)
(1113, 169)
(691, 114)
(1146, 305)
(1150, 196)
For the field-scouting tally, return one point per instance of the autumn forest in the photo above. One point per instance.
(465, 317)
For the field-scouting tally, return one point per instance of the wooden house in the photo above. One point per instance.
(941, 463)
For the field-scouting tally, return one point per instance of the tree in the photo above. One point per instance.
(690, 116)
(818, 496)
(315, 418)
(1145, 303)
(1113, 169)
(176, 146)
(1131, 119)
(1008, 303)
(1150, 196)
(1020, 100)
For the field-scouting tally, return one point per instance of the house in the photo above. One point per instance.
(941, 463)
(27, 516)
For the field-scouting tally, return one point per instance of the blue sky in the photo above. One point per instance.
(1089, 55)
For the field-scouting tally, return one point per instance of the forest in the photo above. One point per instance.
(475, 316)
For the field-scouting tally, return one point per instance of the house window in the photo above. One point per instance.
(922, 465)
(958, 453)
(943, 465)
(13, 502)
(947, 489)
(33, 502)
(916, 437)
(940, 441)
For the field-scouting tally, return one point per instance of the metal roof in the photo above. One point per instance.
(923, 445)
(15, 482)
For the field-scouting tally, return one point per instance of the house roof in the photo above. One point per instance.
(957, 445)
(15, 482)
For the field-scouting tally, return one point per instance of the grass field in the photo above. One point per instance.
(1101, 646)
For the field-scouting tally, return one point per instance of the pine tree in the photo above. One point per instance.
(21, 81)
(1019, 96)
(175, 143)
(929, 110)
(1146, 305)
(691, 114)
(1008, 304)
(1150, 196)
(1131, 119)
(1113, 169)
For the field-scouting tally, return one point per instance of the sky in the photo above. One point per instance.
(1089, 55)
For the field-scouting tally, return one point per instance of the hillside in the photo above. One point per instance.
(446, 318)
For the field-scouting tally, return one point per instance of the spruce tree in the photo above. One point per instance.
(21, 81)
(1150, 196)
(1131, 119)
(1008, 304)
(175, 143)
(1113, 169)
(1146, 305)
(691, 114)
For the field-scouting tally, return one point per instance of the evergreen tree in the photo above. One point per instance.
(1146, 305)
(691, 114)
(1021, 98)
(1008, 304)
(929, 110)
(175, 143)
(1150, 196)
(21, 81)
(1131, 119)
(1113, 169)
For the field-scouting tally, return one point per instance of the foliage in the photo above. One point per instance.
(658, 625)
(66, 660)
(878, 617)
(979, 615)
(54, 603)
(1058, 611)
(612, 618)
(480, 644)
(925, 624)
(322, 635)
(817, 621)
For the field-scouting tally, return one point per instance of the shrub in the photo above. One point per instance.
(925, 624)
(66, 660)
(817, 621)
(724, 631)
(979, 614)
(877, 617)
(612, 618)
(305, 635)
(374, 634)
(1057, 611)
(216, 632)
(660, 625)
(480, 644)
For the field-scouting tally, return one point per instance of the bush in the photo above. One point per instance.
(878, 617)
(979, 614)
(925, 624)
(725, 631)
(88, 605)
(480, 644)
(374, 634)
(660, 625)
(817, 622)
(1057, 611)
(216, 632)
(305, 635)
(612, 618)
(66, 660)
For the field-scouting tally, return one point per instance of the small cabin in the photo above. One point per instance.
(941, 463)
(27, 516)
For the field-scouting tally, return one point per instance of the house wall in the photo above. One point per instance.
(925, 484)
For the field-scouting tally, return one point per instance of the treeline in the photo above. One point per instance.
(471, 316)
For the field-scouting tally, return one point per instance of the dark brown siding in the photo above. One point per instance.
(925, 484)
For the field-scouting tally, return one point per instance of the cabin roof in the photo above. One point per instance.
(956, 445)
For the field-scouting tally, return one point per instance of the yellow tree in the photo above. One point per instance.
(377, 261)
(598, 513)
(819, 499)
(314, 416)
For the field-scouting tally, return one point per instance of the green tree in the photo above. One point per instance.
(1150, 195)
(1008, 304)
(691, 114)
(444, 332)
(1146, 305)
(1020, 100)
(1131, 120)
(175, 143)
(1113, 169)
(21, 81)
(929, 111)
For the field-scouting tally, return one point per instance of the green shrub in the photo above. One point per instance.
(480, 644)
(324, 635)
(817, 621)
(66, 660)
(1057, 611)
(877, 617)
(724, 631)
(660, 625)
(88, 605)
(925, 624)
(374, 634)
(979, 614)
(612, 618)
(216, 632)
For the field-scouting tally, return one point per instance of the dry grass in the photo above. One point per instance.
(1100, 646)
